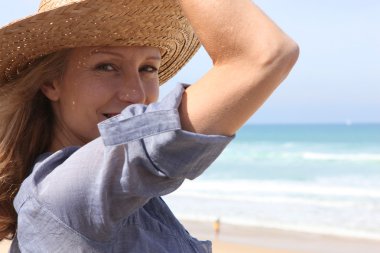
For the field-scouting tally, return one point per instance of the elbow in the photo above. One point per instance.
(290, 58)
(281, 57)
(274, 57)
(291, 53)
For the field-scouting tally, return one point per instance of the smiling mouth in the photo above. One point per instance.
(110, 115)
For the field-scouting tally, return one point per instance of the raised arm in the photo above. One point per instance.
(251, 57)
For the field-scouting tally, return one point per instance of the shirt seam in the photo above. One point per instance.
(116, 119)
(108, 135)
(150, 159)
(144, 136)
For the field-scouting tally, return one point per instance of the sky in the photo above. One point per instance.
(337, 76)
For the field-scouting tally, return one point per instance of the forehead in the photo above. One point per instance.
(122, 52)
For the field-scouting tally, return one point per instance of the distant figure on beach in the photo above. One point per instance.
(86, 149)
(216, 226)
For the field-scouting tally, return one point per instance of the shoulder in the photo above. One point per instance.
(44, 165)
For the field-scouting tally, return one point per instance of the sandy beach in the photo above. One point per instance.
(218, 247)
(240, 239)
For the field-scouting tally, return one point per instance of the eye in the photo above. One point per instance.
(107, 67)
(149, 69)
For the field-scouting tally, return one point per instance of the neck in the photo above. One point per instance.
(62, 138)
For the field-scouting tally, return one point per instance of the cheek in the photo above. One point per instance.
(152, 92)
(81, 103)
(70, 97)
(92, 93)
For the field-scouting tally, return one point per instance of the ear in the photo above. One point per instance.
(51, 90)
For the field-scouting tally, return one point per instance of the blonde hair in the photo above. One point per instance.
(26, 120)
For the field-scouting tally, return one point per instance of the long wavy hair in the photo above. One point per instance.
(26, 122)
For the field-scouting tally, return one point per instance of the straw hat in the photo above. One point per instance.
(63, 24)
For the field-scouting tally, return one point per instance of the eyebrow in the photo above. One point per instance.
(99, 51)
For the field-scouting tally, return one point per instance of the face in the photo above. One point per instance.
(99, 83)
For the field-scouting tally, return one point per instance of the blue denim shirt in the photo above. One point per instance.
(105, 196)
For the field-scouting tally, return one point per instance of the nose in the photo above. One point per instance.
(132, 91)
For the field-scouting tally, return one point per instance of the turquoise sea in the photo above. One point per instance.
(322, 179)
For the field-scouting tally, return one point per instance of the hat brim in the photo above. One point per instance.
(156, 23)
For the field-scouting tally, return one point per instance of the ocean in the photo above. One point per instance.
(322, 179)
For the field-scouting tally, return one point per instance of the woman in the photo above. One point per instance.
(86, 151)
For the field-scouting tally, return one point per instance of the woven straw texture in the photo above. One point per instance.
(68, 24)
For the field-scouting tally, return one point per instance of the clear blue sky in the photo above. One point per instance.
(337, 77)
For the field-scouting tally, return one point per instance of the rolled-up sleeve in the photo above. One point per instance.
(172, 151)
(142, 153)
